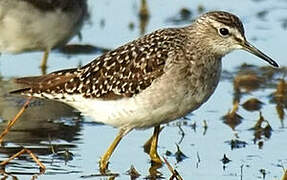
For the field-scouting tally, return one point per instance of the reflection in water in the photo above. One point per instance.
(143, 16)
(6, 175)
(263, 173)
(45, 128)
(133, 173)
(263, 77)
(225, 160)
(261, 129)
(181, 132)
(232, 119)
(236, 144)
(262, 14)
(179, 155)
(247, 81)
(250, 79)
(252, 104)
(280, 99)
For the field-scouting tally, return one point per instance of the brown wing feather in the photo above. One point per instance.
(129, 69)
(46, 83)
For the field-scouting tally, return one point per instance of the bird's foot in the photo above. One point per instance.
(103, 166)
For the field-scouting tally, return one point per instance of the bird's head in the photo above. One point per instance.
(223, 32)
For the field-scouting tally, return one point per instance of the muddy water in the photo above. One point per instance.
(70, 145)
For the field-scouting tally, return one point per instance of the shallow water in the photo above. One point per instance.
(53, 130)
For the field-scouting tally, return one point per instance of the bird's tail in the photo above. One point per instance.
(21, 91)
(44, 83)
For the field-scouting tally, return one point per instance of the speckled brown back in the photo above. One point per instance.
(123, 72)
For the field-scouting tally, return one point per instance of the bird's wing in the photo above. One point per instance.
(38, 84)
(123, 72)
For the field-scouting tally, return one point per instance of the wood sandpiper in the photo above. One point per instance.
(153, 80)
(29, 25)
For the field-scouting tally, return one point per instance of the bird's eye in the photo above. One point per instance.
(224, 32)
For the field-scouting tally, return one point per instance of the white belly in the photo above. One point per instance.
(165, 100)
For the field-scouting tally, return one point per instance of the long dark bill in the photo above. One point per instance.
(252, 49)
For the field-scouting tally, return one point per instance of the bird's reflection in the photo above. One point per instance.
(46, 127)
(279, 98)
(41, 121)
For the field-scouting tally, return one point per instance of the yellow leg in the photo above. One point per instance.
(44, 61)
(105, 158)
(153, 148)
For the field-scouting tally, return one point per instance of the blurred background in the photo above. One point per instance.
(240, 133)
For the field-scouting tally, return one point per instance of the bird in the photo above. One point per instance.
(150, 81)
(39, 25)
